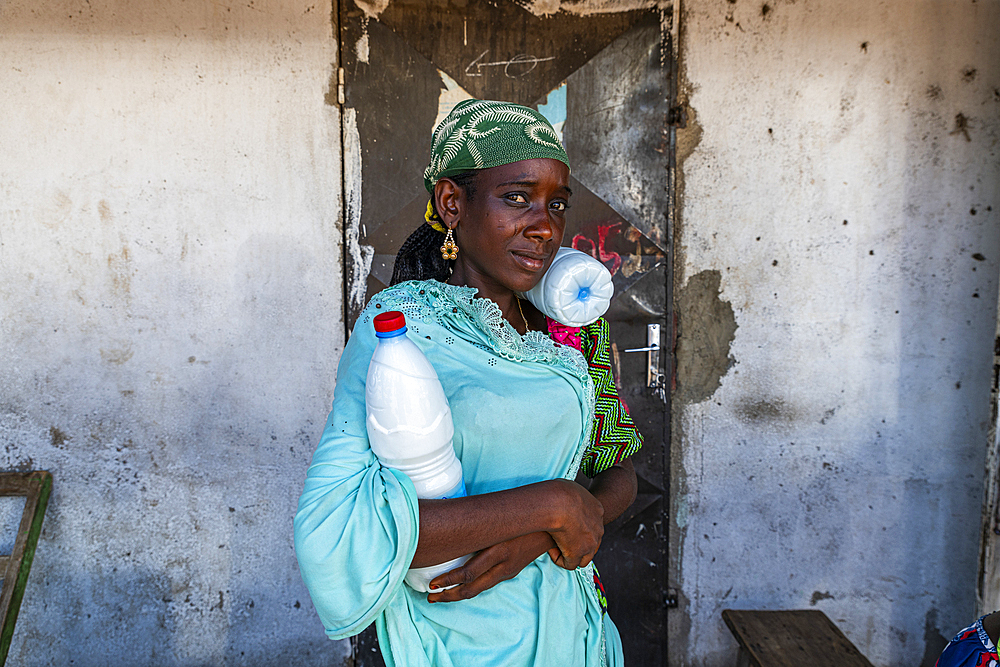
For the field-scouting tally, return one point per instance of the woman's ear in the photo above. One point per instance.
(448, 198)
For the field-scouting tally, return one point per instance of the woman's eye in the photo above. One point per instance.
(559, 206)
(516, 197)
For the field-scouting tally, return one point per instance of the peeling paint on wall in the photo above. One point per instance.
(585, 7)
(360, 254)
(554, 108)
(361, 48)
(451, 95)
(372, 8)
(706, 332)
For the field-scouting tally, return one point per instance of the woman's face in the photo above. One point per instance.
(509, 232)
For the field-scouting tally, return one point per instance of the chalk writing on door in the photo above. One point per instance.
(521, 61)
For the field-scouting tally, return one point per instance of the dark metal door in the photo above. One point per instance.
(606, 81)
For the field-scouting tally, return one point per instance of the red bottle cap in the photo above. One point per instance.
(389, 321)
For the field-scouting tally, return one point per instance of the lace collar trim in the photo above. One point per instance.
(457, 305)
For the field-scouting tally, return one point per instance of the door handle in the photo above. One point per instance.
(654, 378)
(652, 348)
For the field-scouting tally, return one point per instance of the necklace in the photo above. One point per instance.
(526, 327)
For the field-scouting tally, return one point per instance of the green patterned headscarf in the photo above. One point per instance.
(479, 134)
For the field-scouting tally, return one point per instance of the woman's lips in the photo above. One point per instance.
(529, 260)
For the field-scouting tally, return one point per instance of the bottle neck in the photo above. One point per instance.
(391, 334)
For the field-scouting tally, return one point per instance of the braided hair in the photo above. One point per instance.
(419, 258)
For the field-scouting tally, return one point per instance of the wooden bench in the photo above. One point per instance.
(791, 639)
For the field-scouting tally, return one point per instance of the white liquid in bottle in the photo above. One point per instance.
(409, 425)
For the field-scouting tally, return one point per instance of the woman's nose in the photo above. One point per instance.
(540, 228)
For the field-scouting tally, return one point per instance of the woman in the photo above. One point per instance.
(523, 407)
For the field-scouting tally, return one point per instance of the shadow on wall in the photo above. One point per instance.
(112, 614)
(948, 256)
(161, 571)
(147, 629)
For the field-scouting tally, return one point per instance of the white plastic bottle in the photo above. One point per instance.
(409, 424)
(575, 291)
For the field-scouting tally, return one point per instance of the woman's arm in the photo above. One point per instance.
(615, 489)
(561, 508)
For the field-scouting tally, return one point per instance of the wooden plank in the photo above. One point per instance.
(17, 484)
(792, 639)
(36, 487)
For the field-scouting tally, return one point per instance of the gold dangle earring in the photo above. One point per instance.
(449, 250)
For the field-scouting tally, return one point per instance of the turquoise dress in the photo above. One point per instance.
(522, 408)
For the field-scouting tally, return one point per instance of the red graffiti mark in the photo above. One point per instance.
(603, 231)
(597, 250)
(579, 240)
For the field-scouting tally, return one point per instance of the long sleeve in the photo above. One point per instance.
(614, 436)
(357, 523)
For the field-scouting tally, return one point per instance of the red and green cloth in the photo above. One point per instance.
(614, 436)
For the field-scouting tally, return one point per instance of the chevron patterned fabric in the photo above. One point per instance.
(614, 436)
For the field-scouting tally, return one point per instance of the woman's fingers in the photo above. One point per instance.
(491, 566)
(473, 569)
(580, 525)
(578, 552)
(488, 579)
(572, 561)
(482, 571)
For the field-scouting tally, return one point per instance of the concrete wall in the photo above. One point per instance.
(840, 203)
(170, 320)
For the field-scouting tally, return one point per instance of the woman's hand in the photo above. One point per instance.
(490, 566)
(579, 525)
(573, 516)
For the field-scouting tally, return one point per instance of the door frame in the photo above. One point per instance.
(988, 581)
(670, 17)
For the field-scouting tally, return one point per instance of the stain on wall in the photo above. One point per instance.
(756, 410)
(707, 327)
